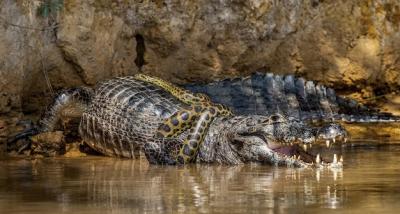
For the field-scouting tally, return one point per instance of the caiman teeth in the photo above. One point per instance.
(327, 143)
(341, 159)
(335, 175)
(305, 147)
(333, 140)
(317, 159)
(334, 159)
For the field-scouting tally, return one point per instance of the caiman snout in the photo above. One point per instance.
(332, 132)
(280, 141)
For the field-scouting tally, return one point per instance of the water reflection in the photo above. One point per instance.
(92, 185)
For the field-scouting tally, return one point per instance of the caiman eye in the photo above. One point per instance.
(277, 118)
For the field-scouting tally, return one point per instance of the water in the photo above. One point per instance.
(368, 183)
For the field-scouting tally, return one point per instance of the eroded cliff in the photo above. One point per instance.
(349, 45)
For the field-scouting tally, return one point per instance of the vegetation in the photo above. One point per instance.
(49, 7)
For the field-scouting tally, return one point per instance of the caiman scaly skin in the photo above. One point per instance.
(293, 97)
(123, 115)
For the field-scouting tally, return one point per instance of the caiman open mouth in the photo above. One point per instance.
(296, 153)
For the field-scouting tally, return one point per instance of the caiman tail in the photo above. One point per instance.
(266, 94)
(75, 97)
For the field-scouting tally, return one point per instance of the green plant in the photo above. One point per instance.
(48, 7)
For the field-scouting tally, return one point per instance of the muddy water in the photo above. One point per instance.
(368, 183)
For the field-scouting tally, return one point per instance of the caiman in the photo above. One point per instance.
(174, 126)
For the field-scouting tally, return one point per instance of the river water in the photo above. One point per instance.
(368, 183)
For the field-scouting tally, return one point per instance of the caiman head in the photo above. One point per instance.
(266, 139)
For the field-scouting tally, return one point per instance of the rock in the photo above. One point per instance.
(3, 139)
(382, 133)
(97, 43)
(48, 144)
(73, 150)
(8, 127)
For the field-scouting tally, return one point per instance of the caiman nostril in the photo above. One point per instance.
(275, 118)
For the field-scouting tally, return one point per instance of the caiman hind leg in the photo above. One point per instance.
(77, 98)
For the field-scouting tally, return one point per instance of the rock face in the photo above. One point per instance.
(349, 45)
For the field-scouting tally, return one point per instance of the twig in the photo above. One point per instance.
(28, 27)
(46, 76)
(376, 97)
